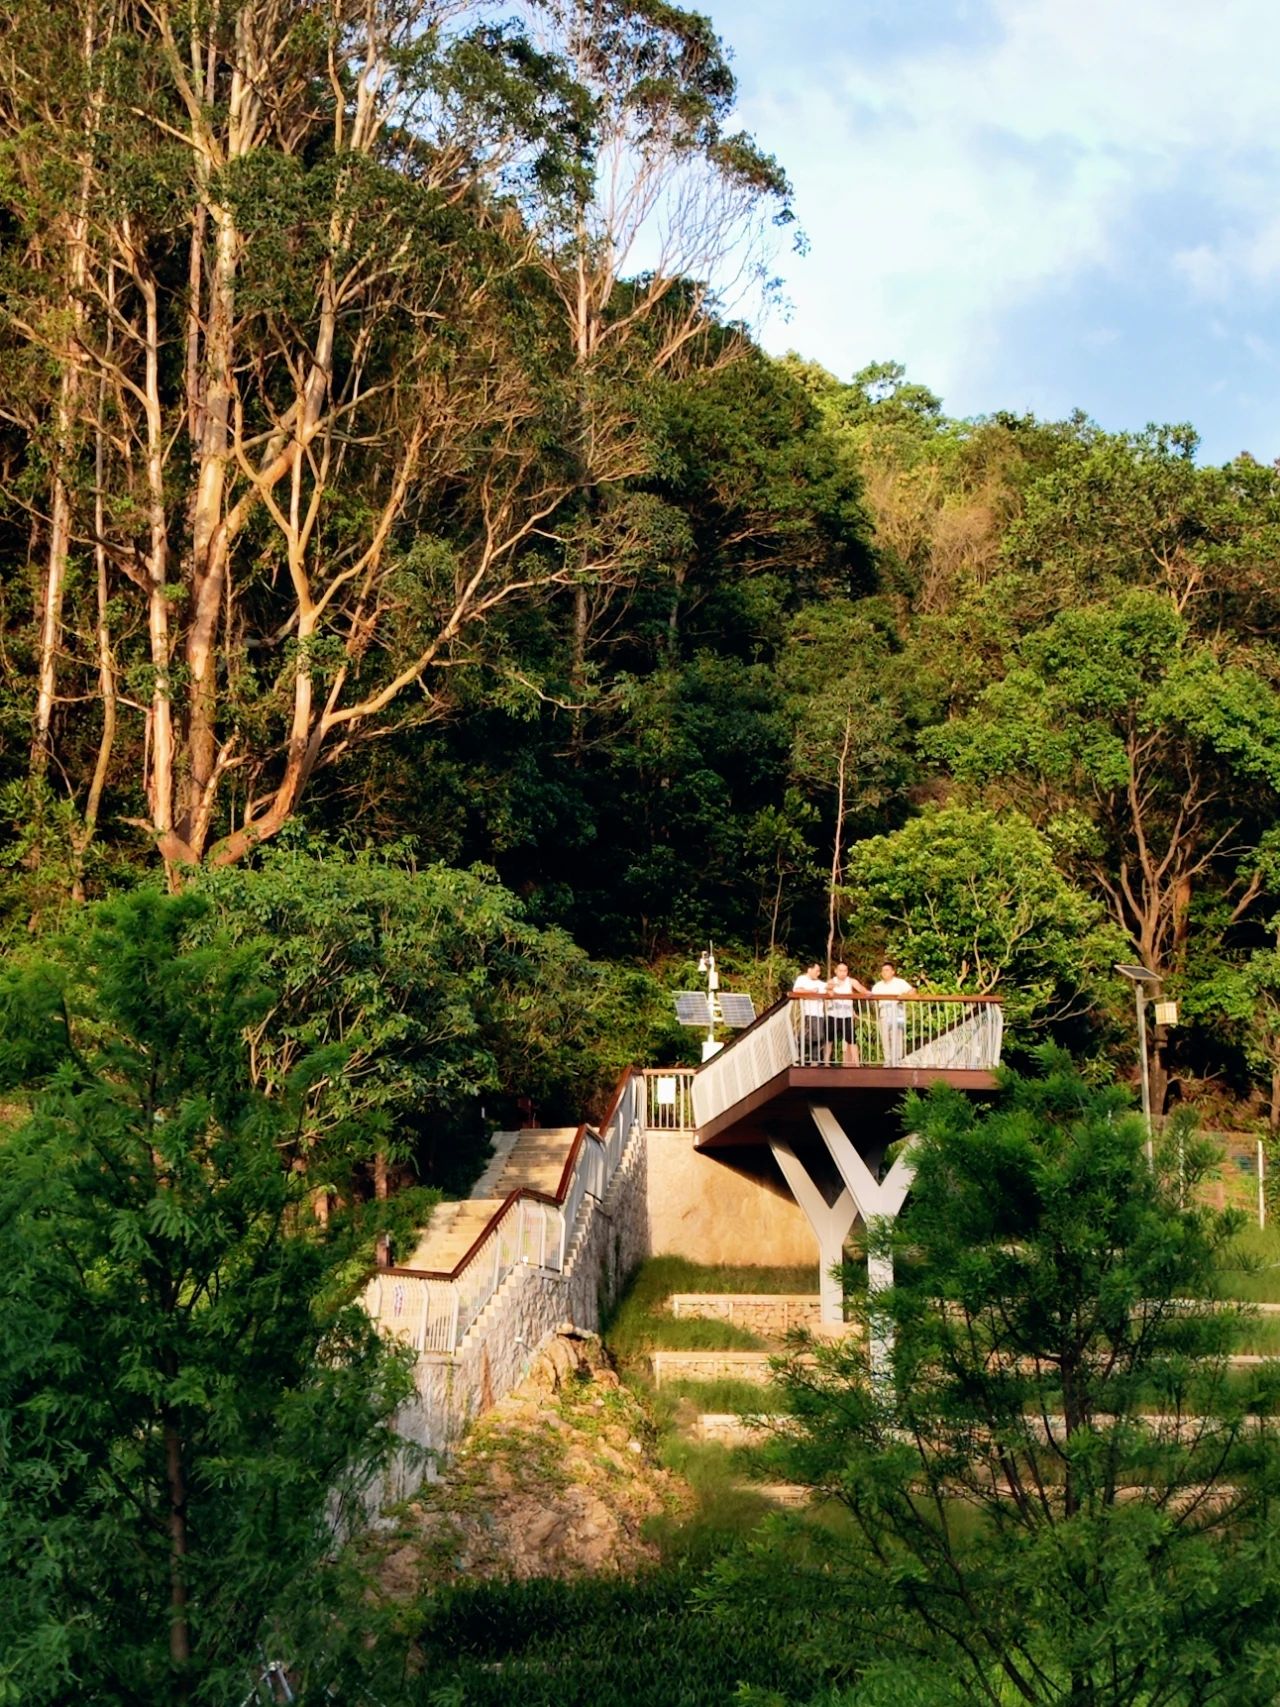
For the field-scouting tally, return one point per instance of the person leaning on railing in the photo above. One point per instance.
(842, 988)
(892, 1016)
(813, 1013)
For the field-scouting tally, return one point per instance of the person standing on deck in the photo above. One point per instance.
(813, 1014)
(892, 1015)
(842, 988)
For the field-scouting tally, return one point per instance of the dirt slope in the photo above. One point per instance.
(557, 1480)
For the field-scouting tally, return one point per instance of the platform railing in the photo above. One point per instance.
(896, 1031)
(902, 1032)
(669, 1098)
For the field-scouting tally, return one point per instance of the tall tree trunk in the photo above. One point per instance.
(55, 580)
(837, 848)
(160, 777)
(179, 1614)
(106, 662)
(209, 536)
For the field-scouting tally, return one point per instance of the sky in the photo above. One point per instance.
(1033, 204)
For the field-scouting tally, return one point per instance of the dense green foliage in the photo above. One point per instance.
(558, 1644)
(438, 991)
(1063, 1496)
(409, 559)
(453, 529)
(190, 1401)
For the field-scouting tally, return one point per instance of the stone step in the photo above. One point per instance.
(536, 1160)
(502, 1144)
(454, 1228)
(711, 1366)
(728, 1428)
(789, 1494)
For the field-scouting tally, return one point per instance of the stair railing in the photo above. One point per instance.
(433, 1310)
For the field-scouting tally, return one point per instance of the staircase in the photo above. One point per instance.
(535, 1160)
(532, 1159)
(771, 1317)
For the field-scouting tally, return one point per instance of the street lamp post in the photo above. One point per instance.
(1142, 979)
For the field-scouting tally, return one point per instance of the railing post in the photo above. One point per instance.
(453, 1317)
(542, 1238)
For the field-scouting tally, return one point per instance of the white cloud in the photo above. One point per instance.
(1243, 258)
(945, 187)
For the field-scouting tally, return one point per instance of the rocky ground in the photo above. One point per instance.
(557, 1480)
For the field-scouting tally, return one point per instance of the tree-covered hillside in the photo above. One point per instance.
(384, 462)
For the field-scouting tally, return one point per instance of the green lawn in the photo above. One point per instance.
(1257, 1280)
(641, 1321)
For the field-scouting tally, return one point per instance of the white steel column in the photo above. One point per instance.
(877, 1200)
(830, 1222)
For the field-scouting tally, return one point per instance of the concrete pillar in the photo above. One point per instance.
(830, 1222)
(877, 1201)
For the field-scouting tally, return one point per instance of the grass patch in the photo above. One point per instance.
(641, 1321)
(640, 1642)
(1261, 1336)
(728, 1507)
(1257, 1279)
(727, 1396)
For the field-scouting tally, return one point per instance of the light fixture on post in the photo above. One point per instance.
(1143, 979)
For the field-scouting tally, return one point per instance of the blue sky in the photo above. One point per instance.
(1034, 204)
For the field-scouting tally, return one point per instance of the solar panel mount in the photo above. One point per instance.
(736, 1011)
(693, 1007)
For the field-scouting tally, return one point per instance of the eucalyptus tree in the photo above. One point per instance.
(311, 364)
(664, 236)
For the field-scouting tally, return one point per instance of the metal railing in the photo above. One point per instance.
(669, 1099)
(907, 1032)
(895, 1031)
(433, 1312)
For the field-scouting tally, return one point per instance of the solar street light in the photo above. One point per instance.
(1143, 979)
(710, 1008)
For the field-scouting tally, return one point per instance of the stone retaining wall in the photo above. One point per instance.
(710, 1366)
(772, 1314)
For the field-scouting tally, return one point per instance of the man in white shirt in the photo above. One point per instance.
(840, 1016)
(813, 1014)
(892, 1015)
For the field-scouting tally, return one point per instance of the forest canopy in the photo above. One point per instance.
(387, 462)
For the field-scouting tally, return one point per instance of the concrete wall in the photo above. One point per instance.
(734, 1210)
(531, 1304)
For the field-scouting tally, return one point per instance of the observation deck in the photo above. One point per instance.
(816, 1084)
(846, 1052)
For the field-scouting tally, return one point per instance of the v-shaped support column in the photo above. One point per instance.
(830, 1222)
(876, 1200)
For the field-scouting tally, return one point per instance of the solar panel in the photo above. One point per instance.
(692, 1007)
(736, 1010)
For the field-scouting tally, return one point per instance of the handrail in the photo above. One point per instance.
(522, 1193)
(871, 996)
(451, 1300)
(910, 1033)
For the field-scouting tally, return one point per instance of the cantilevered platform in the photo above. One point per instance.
(863, 1051)
(818, 1083)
